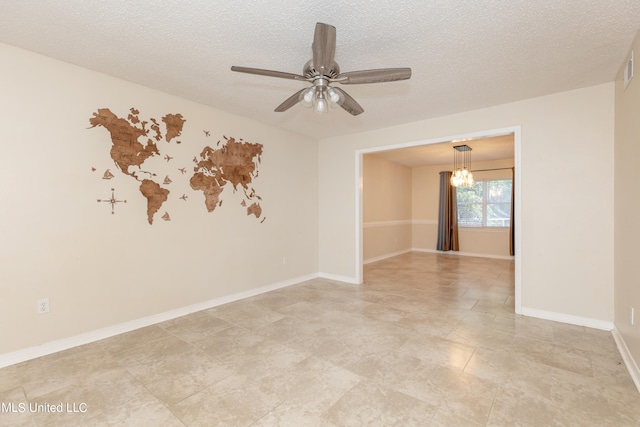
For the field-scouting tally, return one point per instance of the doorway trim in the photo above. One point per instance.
(517, 161)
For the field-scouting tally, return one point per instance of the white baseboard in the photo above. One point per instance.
(473, 254)
(629, 362)
(385, 256)
(88, 337)
(338, 278)
(431, 251)
(567, 318)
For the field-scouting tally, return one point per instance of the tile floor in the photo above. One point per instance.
(427, 340)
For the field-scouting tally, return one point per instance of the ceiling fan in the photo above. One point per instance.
(321, 71)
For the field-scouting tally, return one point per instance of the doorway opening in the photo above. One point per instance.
(441, 147)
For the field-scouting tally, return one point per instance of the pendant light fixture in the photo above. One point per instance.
(461, 175)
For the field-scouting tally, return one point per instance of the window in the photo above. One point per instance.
(486, 204)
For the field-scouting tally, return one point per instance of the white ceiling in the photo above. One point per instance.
(464, 54)
(482, 149)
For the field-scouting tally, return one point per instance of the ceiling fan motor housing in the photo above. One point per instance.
(309, 70)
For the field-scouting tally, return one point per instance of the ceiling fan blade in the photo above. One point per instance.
(324, 47)
(268, 73)
(374, 76)
(348, 103)
(290, 102)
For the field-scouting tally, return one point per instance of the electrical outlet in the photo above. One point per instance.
(633, 315)
(43, 306)
(284, 260)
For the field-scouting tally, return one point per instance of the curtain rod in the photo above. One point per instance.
(487, 170)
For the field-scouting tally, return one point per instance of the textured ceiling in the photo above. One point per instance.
(482, 149)
(464, 54)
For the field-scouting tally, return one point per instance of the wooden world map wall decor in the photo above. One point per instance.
(232, 163)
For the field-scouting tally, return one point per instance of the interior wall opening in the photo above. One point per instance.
(398, 211)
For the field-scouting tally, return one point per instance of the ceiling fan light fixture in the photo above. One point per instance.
(307, 97)
(334, 97)
(320, 104)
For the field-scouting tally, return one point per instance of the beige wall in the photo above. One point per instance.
(386, 190)
(386, 195)
(566, 272)
(99, 269)
(627, 206)
(400, 210)
(473, 241)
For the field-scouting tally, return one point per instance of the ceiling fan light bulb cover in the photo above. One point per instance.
(320, 105)
(333, 95)
(306, 98)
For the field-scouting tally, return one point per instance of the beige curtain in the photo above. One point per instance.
(447, 215)
(512, 237)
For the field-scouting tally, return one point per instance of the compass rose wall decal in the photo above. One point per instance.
(113, 201)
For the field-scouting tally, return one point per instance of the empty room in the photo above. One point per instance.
(332, 214)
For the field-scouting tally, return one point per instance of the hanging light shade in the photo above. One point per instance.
(461, 175)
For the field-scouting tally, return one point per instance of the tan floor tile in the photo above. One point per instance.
(517, 407)
(467, 396)
(112, 398)
(295, 415)
(233, 401)
(195, 326)
(137, 338)
(369, 404)
(438, 351)
(229, 342)
(383, 313)
(427, 339)
(340, 352)
(529, 327)
(429, 323)
(296, 332)
(49, 373)
(312, 383)
(265, 360)
(488, 294)
(497, 308)
(251, 318)
(611, 370)
(478, 336)
(383, 298)
(560, 357)
(9, 378)
(446, 417)
(507, 367)
(579, 337)
(381, 334)
(151, 352)
(271, 301)
(587, 401)
(400, 372)
(303, 309)
(14, 409)
(176, 376)
(597, 399)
